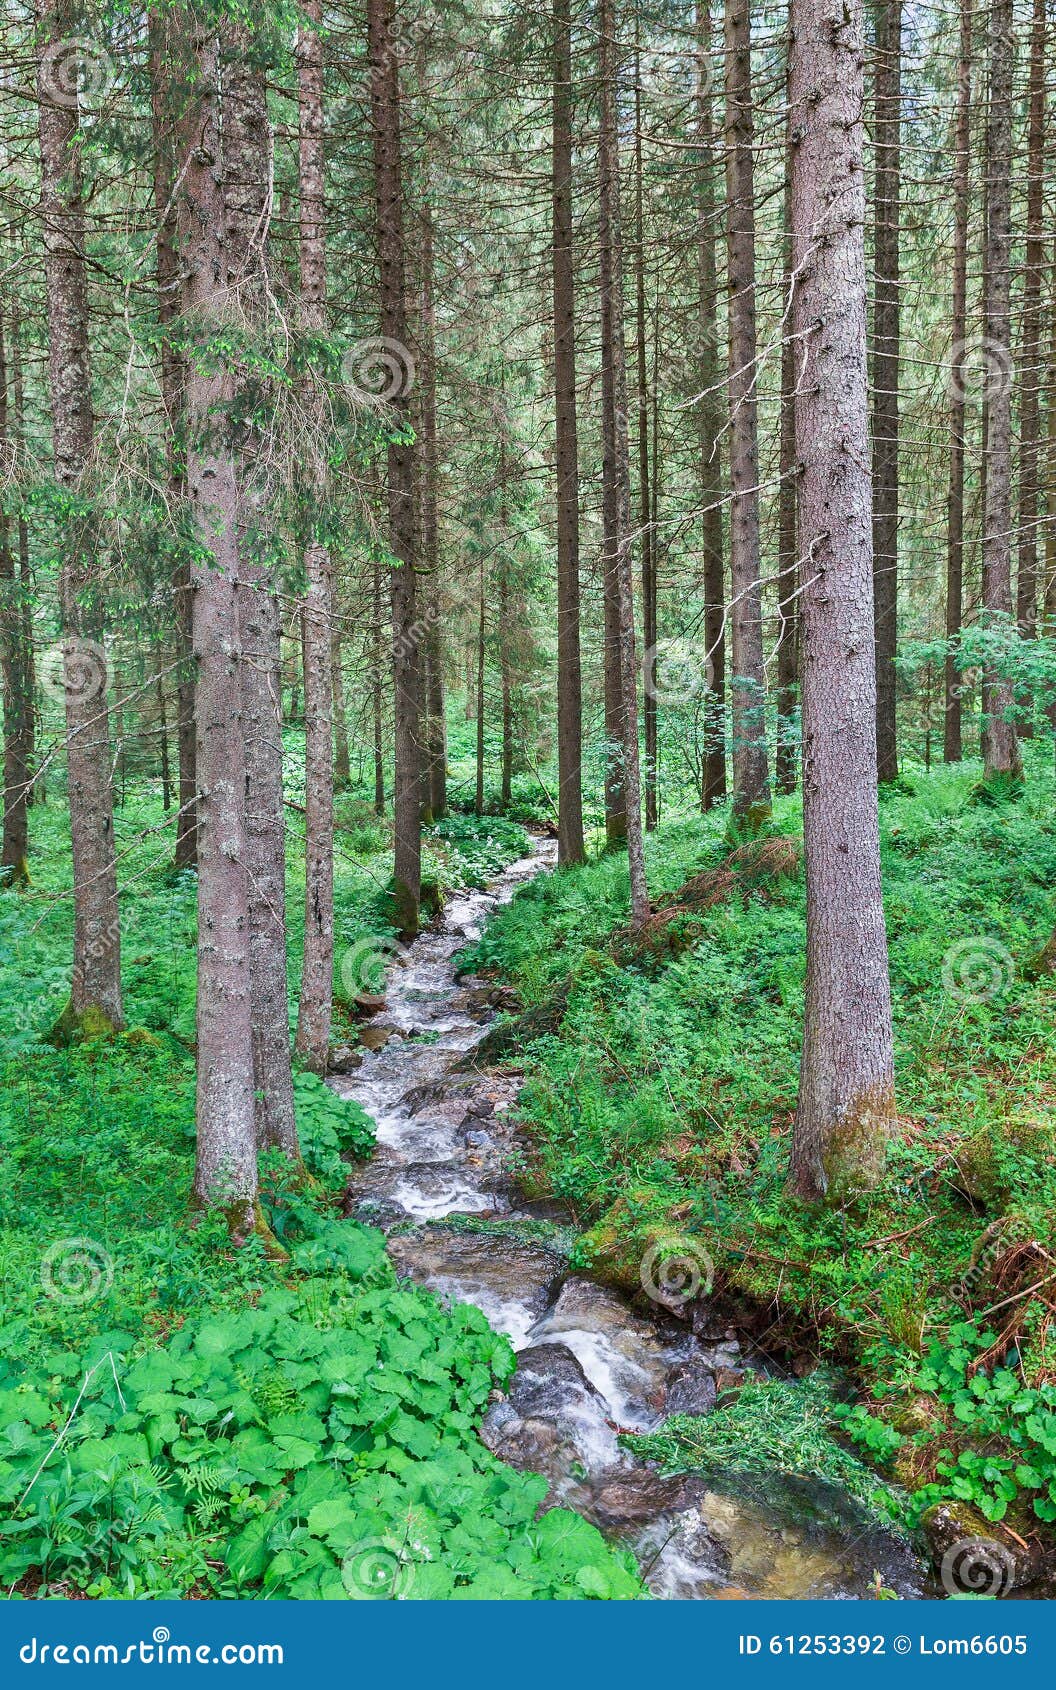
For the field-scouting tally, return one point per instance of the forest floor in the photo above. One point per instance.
(180, 1418)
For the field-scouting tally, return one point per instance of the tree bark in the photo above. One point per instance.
(376, 693)
(385, 113)
(1030, 383)
(648, 542)
(887, 135)
(621, 669)
(962, 142)
(1001, 753)
(751, 788)
(713, 783)
(435, 773)
(786, 760)
(570, 845)
(161, 42)
(342, 766)
(15, 631)
(226, 1161)
(95, 994)
(315, 1007)
(478, 800)
(846, 1096)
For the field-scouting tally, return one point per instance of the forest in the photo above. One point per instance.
(528, 634)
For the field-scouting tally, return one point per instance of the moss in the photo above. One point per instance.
(856, 1153)
(405, 912)
(91, 1022)
(14, 877)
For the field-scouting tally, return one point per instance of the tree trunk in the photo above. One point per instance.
(226, 1161)
(18, 700)
(709, 414)
(161, 39)
(887, 135)
(376, 695)
(163, 746)
(648, 542)
(846, 1096)
(751, 789)
(625, 792)
(570, 845)
(342, 766)
(1001, 754)
(385, 109)
(95, 994)
(1030, 384)
(315, 1007)
(786, 761)
(952, 748)
(478, 801)
(435, 781)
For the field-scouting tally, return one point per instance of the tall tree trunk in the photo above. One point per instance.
(35, 791)
(478, 801)
(315, 1007)
(1001, 754)
(163, 746)
(709, 414)
(786, 761)
(18, 700)
(648, 545)
(161, 39)
(226, 1162)
(751, 788)
(846, 1095)
(626, 807)
(377, 701)
(570, 845)
(435, 774)
(385, 110)
(952, 748)
(615, 726)
(887, 136)
(95, 994)
(342, 766)
(1030, 385)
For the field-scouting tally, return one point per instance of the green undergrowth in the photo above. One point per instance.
(660, 1097)
(181, 1418)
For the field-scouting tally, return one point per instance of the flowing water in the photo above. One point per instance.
(589, 1363)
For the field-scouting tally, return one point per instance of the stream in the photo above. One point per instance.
(589, 1363)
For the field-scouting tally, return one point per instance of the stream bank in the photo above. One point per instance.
(590, 1365)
